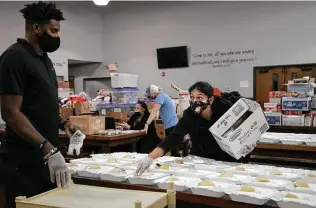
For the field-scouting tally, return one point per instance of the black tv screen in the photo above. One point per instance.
(175, 57)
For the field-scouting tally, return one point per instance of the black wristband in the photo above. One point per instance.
(43, 144)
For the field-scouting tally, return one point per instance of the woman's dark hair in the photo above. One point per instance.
(204, 87)
(144, 105)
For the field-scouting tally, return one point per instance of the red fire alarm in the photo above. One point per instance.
(163, 74)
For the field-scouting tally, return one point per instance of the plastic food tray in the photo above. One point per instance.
(303, 201)
(86, 161)
(283, 176)
(259, 197)
(211, 167)
(237, 179)
(145, 179)
(216, 191)
(247, 171)
(311, 143)
(73, 168)
(180, 185)
(269, 141)
(171, 169)
(188, 172)
(312, 188)
(106, 175)
(273, 184)
(308, 178)
(292, 141)
(88, 172)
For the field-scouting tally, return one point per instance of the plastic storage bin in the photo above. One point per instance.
(125, 95)
(119, 80)
(104, 108)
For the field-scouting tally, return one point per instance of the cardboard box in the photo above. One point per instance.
(65, 113)
(239, 129)
(82, 108)
(63, 85)
(275, 100)
(309, 117)
(274, 118)
(272, 107)
(93, 105)
(276, 94)
(295, 103)
(89, 124)
(293, 120)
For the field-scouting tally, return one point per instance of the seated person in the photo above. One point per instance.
(137, 122)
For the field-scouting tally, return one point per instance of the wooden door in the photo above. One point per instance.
(296, 72)
(268, 79)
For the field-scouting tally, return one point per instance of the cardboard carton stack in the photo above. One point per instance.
(292, 108)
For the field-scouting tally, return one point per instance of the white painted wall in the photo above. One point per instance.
(81, 33)
(279, 32)
(81, 71)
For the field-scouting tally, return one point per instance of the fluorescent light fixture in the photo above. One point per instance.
(101, 2)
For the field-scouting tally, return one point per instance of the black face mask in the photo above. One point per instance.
(199, 106)
(48, 43)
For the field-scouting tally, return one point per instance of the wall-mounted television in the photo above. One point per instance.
(174, 57)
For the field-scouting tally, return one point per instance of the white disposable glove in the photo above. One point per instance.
(58, 169)
(143, 165)
(76, 142)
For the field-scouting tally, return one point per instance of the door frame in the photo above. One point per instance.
(255, 68)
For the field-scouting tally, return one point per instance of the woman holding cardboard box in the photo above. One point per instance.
(205, 109)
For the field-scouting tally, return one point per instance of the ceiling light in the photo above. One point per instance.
(101, 2)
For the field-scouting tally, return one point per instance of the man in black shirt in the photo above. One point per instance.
(30, 163)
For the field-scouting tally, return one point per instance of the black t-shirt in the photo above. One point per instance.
(203, 142)
(24, 72)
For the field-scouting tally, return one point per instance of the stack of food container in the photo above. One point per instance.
(247, 183)
(292, 108)
(124, 94)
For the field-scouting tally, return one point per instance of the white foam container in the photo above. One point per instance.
(312, 188)
(120, 80)
(308, 178)
(89, 173)
(74, 168)
(216, 191)
(269, 141)
(284, 176)
(273, 184)
(303, 201)
(105, 175)
(248, 171)
(181, 185)
(311, 143)
(260, 197)
(211, 167)
(292, 141)
(171, 169)
(184, 165)
(146, 180)
(188, 172)
(85, 161)
(237, 179)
